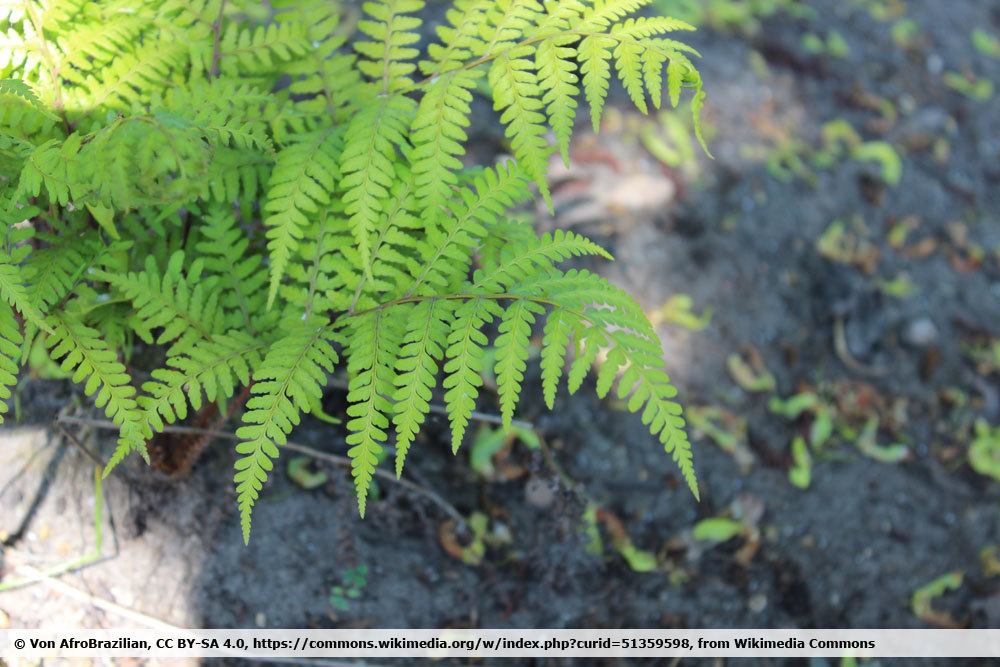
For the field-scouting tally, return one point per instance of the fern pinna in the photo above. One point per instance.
(266, 200)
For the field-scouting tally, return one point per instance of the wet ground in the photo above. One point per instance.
(869, 289)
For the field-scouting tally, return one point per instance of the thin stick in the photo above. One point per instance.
(217, 42)
(78, 563)
(79, 445)
(100, 603)
(844, 352)
(342, 461)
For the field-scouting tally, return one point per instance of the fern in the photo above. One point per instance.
(214, 369)
(373, 137)
(287, 382)
(10, 350)
(92, 363)
(230, 199)
(438, 133)
(512, 353)
(184, 307)
(15, 293)
(303, 176)
(416, 370)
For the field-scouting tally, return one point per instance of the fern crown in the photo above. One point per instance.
(265, 199)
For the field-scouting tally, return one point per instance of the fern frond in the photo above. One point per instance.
(304, 176)
(93, 44)
(288, 382)
(367, 164)
(10, 352)
(464, 365)
(540, 256)
(515, 88)
(393, 32)
(326, 270)
(648, 26)
(226, 112)
(675, 79)
(213, 369)
(605, 12)
(325, 80)
(295, 190)
(628, 62)
(416, 371)
(392, 249)
(55, 269)
(95, 365)
(507, 22)
(129, 78)
(595, 53)
(554, 60)
(512, 353)
(446, 252)
(21, 112)
(460, 39)
(245, 51)
(182, 304)
(555, 342)
(373, 345)
(14, 292)
(243, 278)
(605, 317)
(438, 136)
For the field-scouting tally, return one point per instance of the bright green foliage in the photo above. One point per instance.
(95, 366)
(10, 351)
(416, 371)
(239, 194)
(288, 382)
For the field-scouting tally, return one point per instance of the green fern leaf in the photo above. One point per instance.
(506, 22)
(182, 304)
(555, 342)
(557, 77)
(288, 382)
(515, 94)
(393, 34)
(539, 257)
(373, 345)
(438, 136)
(628, 61)
(10, 351)
(304, 175)
(460, 39)
(416, 371)
(605, 12)
(512, 353)
(367, 164)
(94, 364)
(446, 252)
(243, 279)
(595, 53)
(14, 292)
(464, 365)
(213, 369)
(243, 51)
(675, 79)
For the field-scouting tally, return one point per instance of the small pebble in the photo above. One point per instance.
(934, 64)
(260, 619)
(538, 492)
(921, 332)
(758, 603)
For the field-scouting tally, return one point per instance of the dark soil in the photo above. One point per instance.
(849, 550)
